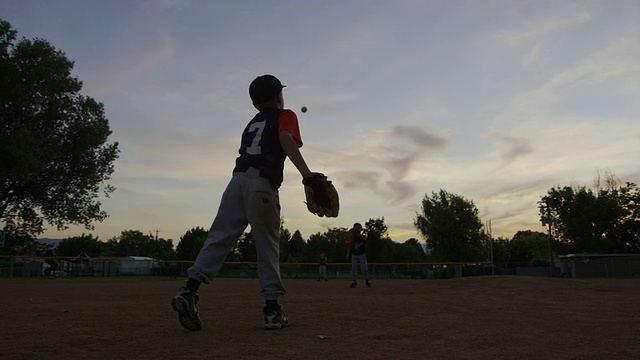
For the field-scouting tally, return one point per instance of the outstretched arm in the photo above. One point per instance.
(293, 152)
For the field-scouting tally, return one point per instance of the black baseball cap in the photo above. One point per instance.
(264, 88)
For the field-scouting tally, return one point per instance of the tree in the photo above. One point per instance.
(317, 243)
(54, 153)
(527, 247)
(88, 244)
(296, 247)
(285, 236)
(162, 249)
(380, 246)
(338, 239)
(408, 252)
(17, 243)
(135, 243)
(501, 251)
(247, 247)
(601, 220)
(452, 228)
(191, 243)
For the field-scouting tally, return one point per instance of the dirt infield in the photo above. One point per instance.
(469, 318)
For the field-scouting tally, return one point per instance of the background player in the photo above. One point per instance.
(356, 250)
(322, 267)
(53, 263)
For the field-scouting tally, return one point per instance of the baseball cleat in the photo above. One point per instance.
(185, 303)
(274, 318)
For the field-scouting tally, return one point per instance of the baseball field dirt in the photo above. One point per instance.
(490, 317)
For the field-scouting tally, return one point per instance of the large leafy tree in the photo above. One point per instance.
(452, 228)
(54, 150)
(601, 220)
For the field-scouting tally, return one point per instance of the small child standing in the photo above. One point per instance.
(322, 267)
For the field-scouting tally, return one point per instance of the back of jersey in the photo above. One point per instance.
(260, 147)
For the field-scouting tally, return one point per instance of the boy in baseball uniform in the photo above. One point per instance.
(356, 250)
(251, 198)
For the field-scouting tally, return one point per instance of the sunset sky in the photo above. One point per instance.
(495, 101)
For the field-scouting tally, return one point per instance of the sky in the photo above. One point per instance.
(494, 101)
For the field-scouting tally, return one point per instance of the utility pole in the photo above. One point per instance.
(550, 221)
(493, 266)
(487, 229)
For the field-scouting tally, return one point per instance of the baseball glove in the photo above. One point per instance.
(321, 195)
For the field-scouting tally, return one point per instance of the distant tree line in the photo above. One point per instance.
(293, 247)
(603, 221)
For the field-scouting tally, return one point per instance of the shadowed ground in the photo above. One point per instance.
(470, 318)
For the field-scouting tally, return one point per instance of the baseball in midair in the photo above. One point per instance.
(304, 109)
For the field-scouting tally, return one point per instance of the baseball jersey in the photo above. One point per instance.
(260, 145)
(357, 243)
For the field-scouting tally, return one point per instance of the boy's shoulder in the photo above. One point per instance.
(272, 110)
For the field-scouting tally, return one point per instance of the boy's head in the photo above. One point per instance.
(266, 91)
(357, 228)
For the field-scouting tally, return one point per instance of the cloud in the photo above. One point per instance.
(400, 156)
(532, 37)
(532, 56)
(505, 192)
(401, 190)
(355, 179)
(541, 26)
(393, 153)
(613, 66)
(167, 4)
(512, 147)
(420, 137)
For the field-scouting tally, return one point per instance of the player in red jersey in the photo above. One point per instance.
(356, 251)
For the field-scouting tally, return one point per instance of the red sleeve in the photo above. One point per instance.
(288, 121)
(366, 239)
(351, 243)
